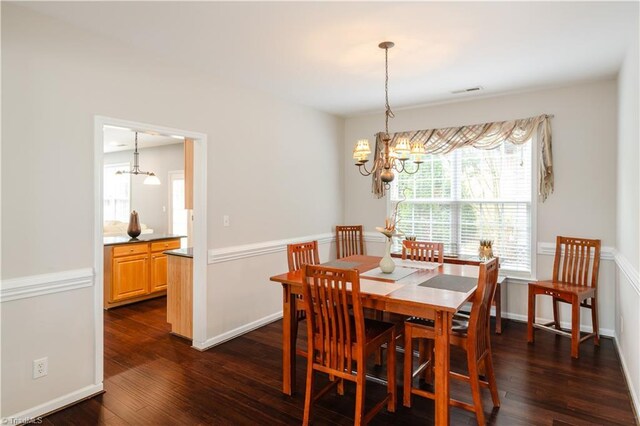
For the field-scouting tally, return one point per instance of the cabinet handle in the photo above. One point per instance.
(130, 249)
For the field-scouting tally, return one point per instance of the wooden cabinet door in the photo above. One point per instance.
(158, 272)
(130, 276)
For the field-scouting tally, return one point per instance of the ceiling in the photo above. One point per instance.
(325, 54)
(121, 139)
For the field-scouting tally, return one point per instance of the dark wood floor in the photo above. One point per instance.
(154, 378)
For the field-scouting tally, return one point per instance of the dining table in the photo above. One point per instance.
(415, 288)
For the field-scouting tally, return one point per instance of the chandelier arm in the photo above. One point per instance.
(366, 172)
(413, 172)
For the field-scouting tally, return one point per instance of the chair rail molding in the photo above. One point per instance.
(39, 285)
(227, 254)
(628, 270)
(549, 249)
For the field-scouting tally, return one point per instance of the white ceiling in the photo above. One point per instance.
(121, 139)
(325, 55)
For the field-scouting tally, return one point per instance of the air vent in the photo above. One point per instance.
(470, 89)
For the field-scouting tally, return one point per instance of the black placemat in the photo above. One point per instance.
(341, 264)
(451, 282)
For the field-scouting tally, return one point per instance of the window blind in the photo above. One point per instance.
(468, 195)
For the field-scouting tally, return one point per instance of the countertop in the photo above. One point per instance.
(184, 252)
(142, 238)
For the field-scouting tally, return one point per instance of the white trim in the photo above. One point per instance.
(634, 396)
(226, 254)
(608, 332)
(53, 405)
(38, 285)
(374, 237)
(549, 249)
(628, 270)
(231, 334)
(199, 229)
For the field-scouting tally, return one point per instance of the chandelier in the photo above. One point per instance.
(389, 158)
(151, 178)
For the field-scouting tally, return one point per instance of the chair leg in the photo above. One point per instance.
(575, 327)
(594, 321)
(360, 388)
(408, 366)
(475, 391)
(531, 315)
(391, 374)
(378, 315)
(497, 300)
(556, 314)
(428, 348)
(491, 378)
(308, 397)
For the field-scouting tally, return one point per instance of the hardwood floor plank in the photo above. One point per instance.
(155, 378)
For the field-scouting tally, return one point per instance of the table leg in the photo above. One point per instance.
(443, 325)
(288, 341)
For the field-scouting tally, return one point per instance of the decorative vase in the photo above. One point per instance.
(134, 225)
(386, 264)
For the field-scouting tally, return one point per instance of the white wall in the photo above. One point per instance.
(628, 221)
(584, 154)
(151, 201)
(55, 79)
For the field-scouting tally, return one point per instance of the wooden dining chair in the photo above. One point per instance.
(473, 336)
(339, 336)
(349, 240)
(575, 281)
(298, 255)
(422, 250)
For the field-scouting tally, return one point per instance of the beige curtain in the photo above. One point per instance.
(482, 136)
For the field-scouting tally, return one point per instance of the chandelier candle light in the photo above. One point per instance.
(151, 178)
(389, 158)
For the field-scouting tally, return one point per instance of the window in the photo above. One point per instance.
(468, 195)
(117, 192)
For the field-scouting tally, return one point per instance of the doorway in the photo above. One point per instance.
(197, 223)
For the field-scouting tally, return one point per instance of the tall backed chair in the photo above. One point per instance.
(575, 281)
(349, 240)
(339, 336)
(473, 336)
(422, 250)
(298, 255)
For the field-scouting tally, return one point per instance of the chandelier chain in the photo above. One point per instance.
(388, 113)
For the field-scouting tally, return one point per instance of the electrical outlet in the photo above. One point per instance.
(40, 367)
(225, 220)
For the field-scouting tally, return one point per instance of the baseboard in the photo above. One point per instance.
(564, 324)
(32, 415)
(635, 403)
(221, 338)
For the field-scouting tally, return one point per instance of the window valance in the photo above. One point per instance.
(482, 136)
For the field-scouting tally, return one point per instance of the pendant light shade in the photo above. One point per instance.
(151, 179)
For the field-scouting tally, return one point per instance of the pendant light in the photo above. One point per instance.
(151, 178)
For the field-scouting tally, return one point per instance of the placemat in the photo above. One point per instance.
(397, 274)
(340, 264)
(451, 282)
(417, 264)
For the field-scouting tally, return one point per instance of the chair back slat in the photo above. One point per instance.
(332, 295)
(577, 261)
(478, 332)
(423, 250)
(300, 254)
(349, 240)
